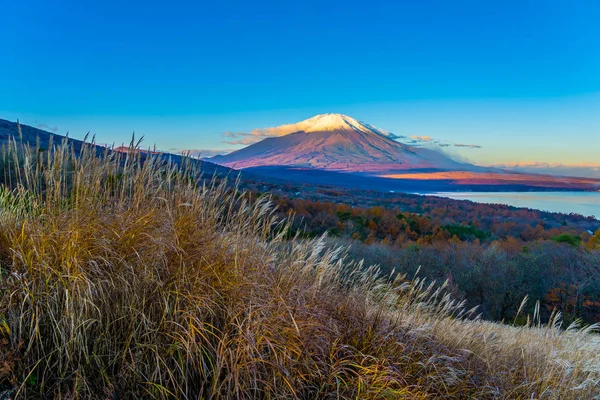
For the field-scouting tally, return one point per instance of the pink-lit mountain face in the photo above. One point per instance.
(336, 142)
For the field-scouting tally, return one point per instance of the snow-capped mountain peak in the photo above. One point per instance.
(332, 122)
(334, 142)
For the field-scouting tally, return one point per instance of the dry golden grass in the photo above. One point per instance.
(126, 279)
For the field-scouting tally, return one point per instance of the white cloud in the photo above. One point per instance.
(428, 141)
(586, 170)
(201, 152)
(421, 138)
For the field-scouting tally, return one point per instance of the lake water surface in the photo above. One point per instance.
(585, 203)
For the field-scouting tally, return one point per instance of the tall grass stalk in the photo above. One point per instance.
(124, 276)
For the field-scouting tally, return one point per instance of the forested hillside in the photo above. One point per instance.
(492, 255)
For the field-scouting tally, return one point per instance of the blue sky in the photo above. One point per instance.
(521, 79)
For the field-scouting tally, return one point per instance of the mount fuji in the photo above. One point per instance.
(337, 142)
(336, 149)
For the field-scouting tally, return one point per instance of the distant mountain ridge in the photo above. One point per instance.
(31, 135)
(337, 142)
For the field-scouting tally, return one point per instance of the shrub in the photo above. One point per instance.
(466, 232)
(567, 238)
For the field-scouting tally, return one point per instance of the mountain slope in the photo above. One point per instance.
(31, 135)
(336, 142)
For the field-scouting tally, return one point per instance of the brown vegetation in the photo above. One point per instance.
(493, 256)
(123, 279)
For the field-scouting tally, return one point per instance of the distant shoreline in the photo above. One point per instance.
(586, 203)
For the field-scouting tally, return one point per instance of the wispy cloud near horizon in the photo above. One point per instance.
(256, 135)
(428, 141)
(585, 169)
(201, 152)
(242, 138)
(421, 138)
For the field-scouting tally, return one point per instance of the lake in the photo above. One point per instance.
(585, 203)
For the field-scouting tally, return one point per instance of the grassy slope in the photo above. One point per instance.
(37, 137)
(132, 281)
